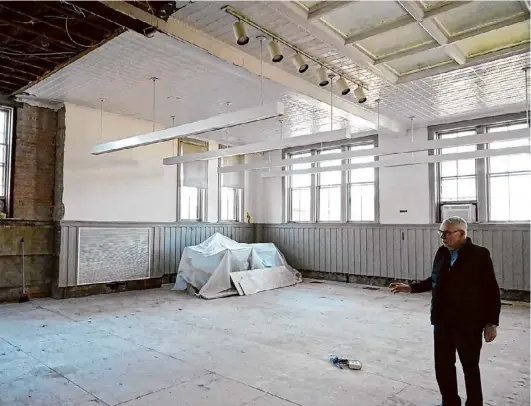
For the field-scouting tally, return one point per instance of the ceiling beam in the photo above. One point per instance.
(53, 6)
(406, 52)
(237, 57)
(471, 61)
(519, 18)
(296, 14)
(326, 7)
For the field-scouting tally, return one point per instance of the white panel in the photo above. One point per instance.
(236, 179)
(128, 259)
(195, 174)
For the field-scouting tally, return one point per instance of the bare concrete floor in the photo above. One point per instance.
(161, 348)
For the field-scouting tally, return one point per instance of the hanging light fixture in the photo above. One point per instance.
(274, 51)
(322, 77)
(360, 95)
(343, 86)
(240, 33)
(299, 63)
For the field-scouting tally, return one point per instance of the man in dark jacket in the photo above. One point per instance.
(465, 305)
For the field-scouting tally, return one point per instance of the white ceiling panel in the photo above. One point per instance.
(477, 14)
(430, 58)
(504, 37)
(399, 39)
(361, 15)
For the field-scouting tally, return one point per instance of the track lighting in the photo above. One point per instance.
(274, 51)
(299, 63)
(322, 77)
(360, 95)
(240, 33)
(343, 86)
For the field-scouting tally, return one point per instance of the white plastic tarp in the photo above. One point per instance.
(207, 266)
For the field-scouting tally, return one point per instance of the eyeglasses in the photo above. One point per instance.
(444, 234)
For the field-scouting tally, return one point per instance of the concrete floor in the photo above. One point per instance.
(161, 348)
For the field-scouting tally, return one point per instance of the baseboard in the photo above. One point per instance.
(511, 295)
(105, 288)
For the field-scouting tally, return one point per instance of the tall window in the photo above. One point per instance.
(361, 188)
(509, 179)
(329, 185)
(322, 196)
(193, 183)
(458, 178)
(300, 191)
(231, 191)
(5, 143)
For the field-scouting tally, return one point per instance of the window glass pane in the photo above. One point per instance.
(2, 153)
(519, 198)
(506, 127)
(466, 167)
(362, 203)
(330, 178)
(330, 204)
(301, 180)
(300, 205)
(189, 203)
(466, 189)
(499, 198)
(228, 210)
(448, 168)
(448, 190)
(363, 174)
(3, 126)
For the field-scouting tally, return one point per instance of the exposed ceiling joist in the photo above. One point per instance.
(181, 31)
(379, 29)
(298, 15)
(326, 7)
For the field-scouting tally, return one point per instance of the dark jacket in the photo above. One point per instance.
(465, 293)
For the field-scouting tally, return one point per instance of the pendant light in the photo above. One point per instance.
(240, 33)
(299, 63)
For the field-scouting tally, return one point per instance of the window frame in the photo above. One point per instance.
(482, 176)
(238, 205)
(315, 186)
(7, 160)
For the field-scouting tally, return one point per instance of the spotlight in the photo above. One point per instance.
(360, 95)
(299, 63)
(240, 33)
(343, 86)
(274, 51)
(322, 77)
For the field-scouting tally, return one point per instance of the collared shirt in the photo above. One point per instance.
(454, 254)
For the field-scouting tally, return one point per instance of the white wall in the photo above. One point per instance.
(130, 185)
(404, 188)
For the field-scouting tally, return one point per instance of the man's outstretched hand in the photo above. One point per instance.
(400, 288)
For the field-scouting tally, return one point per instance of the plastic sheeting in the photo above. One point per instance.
(207, 266)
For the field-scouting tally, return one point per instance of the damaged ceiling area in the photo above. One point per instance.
(37, 38)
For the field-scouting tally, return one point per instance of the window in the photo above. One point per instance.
(457, 180)
(508, 180)
(496, 185)
(299, 190)
(361, 188)
(329, 186)
(193, 183)
(323, 196)
(231, 191)
(5, 144)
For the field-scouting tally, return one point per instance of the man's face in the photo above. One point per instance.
(451, 236)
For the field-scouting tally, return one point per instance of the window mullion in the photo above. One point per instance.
(481, 181)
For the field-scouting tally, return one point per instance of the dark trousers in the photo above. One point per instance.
(467, 341)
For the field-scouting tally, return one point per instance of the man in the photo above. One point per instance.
(465, 304)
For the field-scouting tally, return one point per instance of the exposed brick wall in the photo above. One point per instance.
(34, 163)
(36, 204)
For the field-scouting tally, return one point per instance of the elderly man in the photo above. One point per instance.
(465, 305)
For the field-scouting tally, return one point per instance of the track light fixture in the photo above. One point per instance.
(360, 95)
(274, 51)
(322, 77)
(343, 86)
(240, 33)
(299, 63)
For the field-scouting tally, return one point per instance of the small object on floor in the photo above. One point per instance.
(316, 281)
(371, 288)
(506, 303)
(344, 362)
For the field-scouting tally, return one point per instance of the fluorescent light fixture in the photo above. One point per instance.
(225, 120)
(403, 161)
(421, 146)
(290, 142)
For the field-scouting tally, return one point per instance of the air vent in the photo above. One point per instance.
(466, 211)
